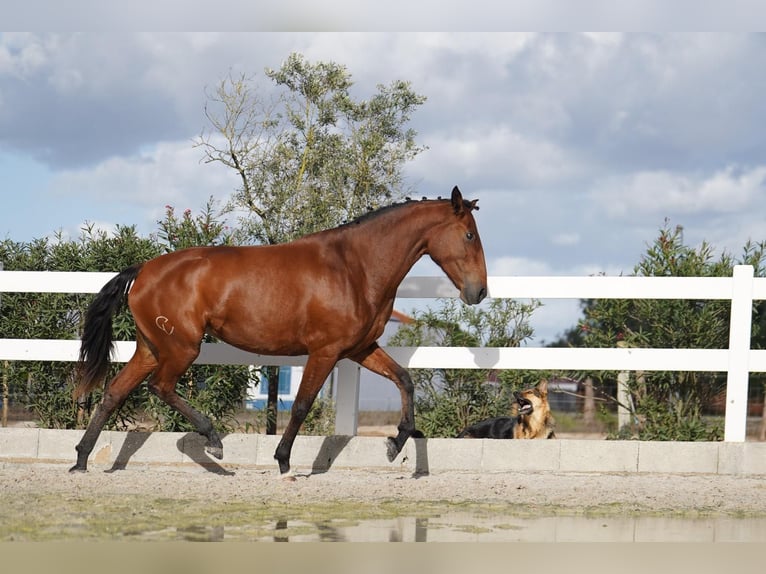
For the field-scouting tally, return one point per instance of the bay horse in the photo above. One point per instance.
(327, 295)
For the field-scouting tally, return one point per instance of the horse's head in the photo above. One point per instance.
(455, 246)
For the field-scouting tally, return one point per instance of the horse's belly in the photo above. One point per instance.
(261, 342)
(263, 337)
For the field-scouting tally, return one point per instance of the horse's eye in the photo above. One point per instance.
(469, 235)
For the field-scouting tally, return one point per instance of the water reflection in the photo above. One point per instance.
(468, 527)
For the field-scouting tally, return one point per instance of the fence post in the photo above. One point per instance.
(735, 425)
(623, 397)
(347, 398)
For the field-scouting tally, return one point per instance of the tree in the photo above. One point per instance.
(447, 400)
(669, 405)
(309, 158)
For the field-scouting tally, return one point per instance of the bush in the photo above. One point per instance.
(45, 388)
(669, 405)
(447, 400)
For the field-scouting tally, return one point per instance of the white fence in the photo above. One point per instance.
(737, 361)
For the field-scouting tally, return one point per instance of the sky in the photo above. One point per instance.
(578, 146)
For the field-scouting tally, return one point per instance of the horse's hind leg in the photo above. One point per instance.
(378, 361)
(163, 384)
(132, 374)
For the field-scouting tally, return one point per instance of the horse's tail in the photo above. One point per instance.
(96, 347)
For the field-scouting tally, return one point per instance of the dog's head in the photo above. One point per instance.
(533, 399)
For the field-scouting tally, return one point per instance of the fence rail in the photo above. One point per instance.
(737, 361)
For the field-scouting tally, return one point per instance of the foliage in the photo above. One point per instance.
(45, 387)
(320, 419)
(311, 157)
(669, 405)
(207, 228)
(215, 390)
(446, 400)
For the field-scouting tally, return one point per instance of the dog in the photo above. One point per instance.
(533, 418)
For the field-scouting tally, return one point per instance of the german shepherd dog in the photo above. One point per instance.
(533, 418)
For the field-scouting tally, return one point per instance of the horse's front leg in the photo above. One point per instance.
(378, 361)
(314, 375)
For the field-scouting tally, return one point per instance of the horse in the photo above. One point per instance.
(327, 295)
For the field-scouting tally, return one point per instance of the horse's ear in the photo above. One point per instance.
(457, 201)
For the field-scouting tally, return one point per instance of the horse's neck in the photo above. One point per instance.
(388, 246)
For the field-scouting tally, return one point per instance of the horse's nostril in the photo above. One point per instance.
(474, 296)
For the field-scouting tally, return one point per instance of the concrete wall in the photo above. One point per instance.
(422, 455)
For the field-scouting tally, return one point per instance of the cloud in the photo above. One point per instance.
(565, 239)
(492, 156)
(20, 54)
(72, 100)
(168, 173)
(662, 192)
(519, 266)
(530, 267)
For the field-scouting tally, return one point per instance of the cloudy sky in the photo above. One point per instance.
(578, 146)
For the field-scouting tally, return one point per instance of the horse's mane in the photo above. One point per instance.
(394, 206)
(380, 211)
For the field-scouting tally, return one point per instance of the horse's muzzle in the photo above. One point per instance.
(473, 294)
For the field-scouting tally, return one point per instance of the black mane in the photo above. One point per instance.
(386, 208)
(380, 211)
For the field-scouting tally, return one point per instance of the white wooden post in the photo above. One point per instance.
(623, 397)
(735, 425)
(347, 398)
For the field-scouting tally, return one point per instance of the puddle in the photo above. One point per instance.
(52, 517)
(468, 527)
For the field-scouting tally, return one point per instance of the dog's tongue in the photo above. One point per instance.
(525, 408)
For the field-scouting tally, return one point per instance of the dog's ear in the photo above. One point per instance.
(542, 386)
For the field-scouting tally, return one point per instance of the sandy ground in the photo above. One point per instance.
(524, 492)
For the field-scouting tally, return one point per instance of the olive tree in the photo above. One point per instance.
(309, 156)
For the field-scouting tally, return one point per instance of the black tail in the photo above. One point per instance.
(96, 347)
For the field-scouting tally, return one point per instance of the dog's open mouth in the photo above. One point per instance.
(525, 406)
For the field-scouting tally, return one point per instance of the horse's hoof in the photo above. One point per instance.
(78, 468)
(216, 451)
(392, 451)
(287, 476)
(417, 434)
